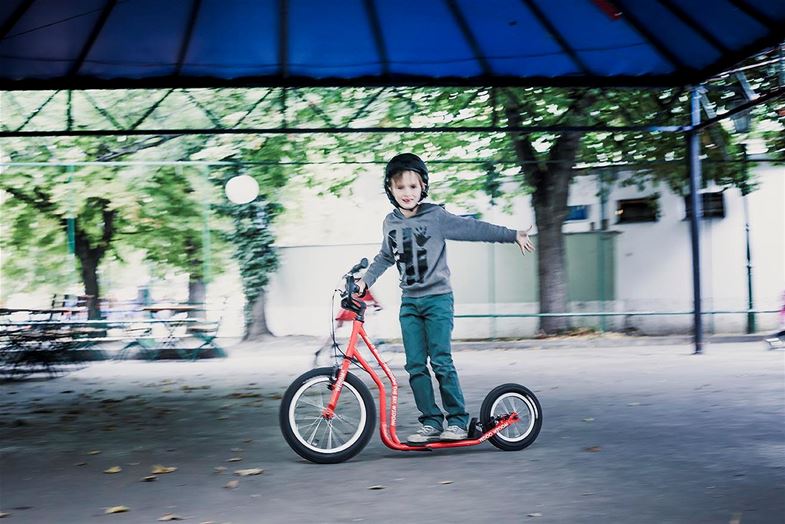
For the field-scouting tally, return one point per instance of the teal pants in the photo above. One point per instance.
(426, 325)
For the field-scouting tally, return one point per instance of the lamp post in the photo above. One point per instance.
(745, 189)
(741, 123)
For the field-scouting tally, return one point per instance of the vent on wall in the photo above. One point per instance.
(637, 210)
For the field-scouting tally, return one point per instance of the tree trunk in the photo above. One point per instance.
(90, 256)
(256, 320)
(197, 287)
(88, 262)
(197, 290)
(551, 258)
(551, 183)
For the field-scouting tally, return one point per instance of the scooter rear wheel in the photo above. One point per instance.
(322, 440)
(502, 401)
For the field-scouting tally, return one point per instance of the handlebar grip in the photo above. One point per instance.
(362, 265)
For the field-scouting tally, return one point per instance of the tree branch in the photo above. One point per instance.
(136, 147)
(524, 150)
(40, 201)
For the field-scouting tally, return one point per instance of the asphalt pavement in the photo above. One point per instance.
(644, 433)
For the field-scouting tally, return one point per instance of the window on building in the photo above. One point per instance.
(637, 210)
(712, 205)
(577, 213)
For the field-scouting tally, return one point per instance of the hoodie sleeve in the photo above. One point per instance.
(383, 260)
(462, 228)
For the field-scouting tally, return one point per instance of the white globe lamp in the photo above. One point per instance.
(241, 189)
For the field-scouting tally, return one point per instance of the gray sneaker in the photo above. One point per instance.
(454, 433)
(424, 435)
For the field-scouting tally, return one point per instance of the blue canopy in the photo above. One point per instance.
(189, 43)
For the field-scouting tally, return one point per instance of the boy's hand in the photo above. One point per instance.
(361, 286)
(524, 242)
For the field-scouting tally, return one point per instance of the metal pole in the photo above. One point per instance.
(744, 193)
(206, 248)
(601, 247)
(693, 153)
(492, 288)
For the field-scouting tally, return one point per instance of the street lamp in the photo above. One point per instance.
(242, 189)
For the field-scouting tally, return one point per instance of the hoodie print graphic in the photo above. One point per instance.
(412, 258)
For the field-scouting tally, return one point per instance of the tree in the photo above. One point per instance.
(62, 200)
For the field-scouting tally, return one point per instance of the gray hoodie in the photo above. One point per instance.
(417, 246)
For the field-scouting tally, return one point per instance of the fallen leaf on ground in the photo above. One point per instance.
(248, 472)
(80, 464)
(633, 403)
(193, 388)
(534, 515)
(376, 487)
(232, 484)
(116, 509)
(588, 419)
(113, 469)
(4, 515)
(240, 394)
(236, 450)
(593, 449)
(149, 478)
(160, 470)
(446, 482)
(170, 516)
(234, 459)
(219, 469)
(94, 452)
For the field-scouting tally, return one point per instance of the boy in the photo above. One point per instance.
(414, 236)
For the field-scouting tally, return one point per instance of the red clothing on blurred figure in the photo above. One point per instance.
(369, 299)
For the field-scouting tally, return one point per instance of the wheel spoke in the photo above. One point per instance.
(312, 404)
(347, 420)
(313, 434)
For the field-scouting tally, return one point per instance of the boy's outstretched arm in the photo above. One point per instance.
(524, 242)
(380, 263)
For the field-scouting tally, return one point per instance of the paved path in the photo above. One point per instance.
(645, 434)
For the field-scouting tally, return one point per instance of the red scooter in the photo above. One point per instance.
(327, 415)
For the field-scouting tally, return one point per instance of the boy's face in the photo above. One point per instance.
(407, 189)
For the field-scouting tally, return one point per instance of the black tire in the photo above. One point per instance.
(342, 437)
(502, 400)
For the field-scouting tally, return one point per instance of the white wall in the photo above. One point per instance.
(653, 261)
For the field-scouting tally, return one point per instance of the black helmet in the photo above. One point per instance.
(405, 162)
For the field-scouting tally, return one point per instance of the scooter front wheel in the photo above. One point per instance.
(326, 440)
(501, 402)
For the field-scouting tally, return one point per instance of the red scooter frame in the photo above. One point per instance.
(386, 431)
